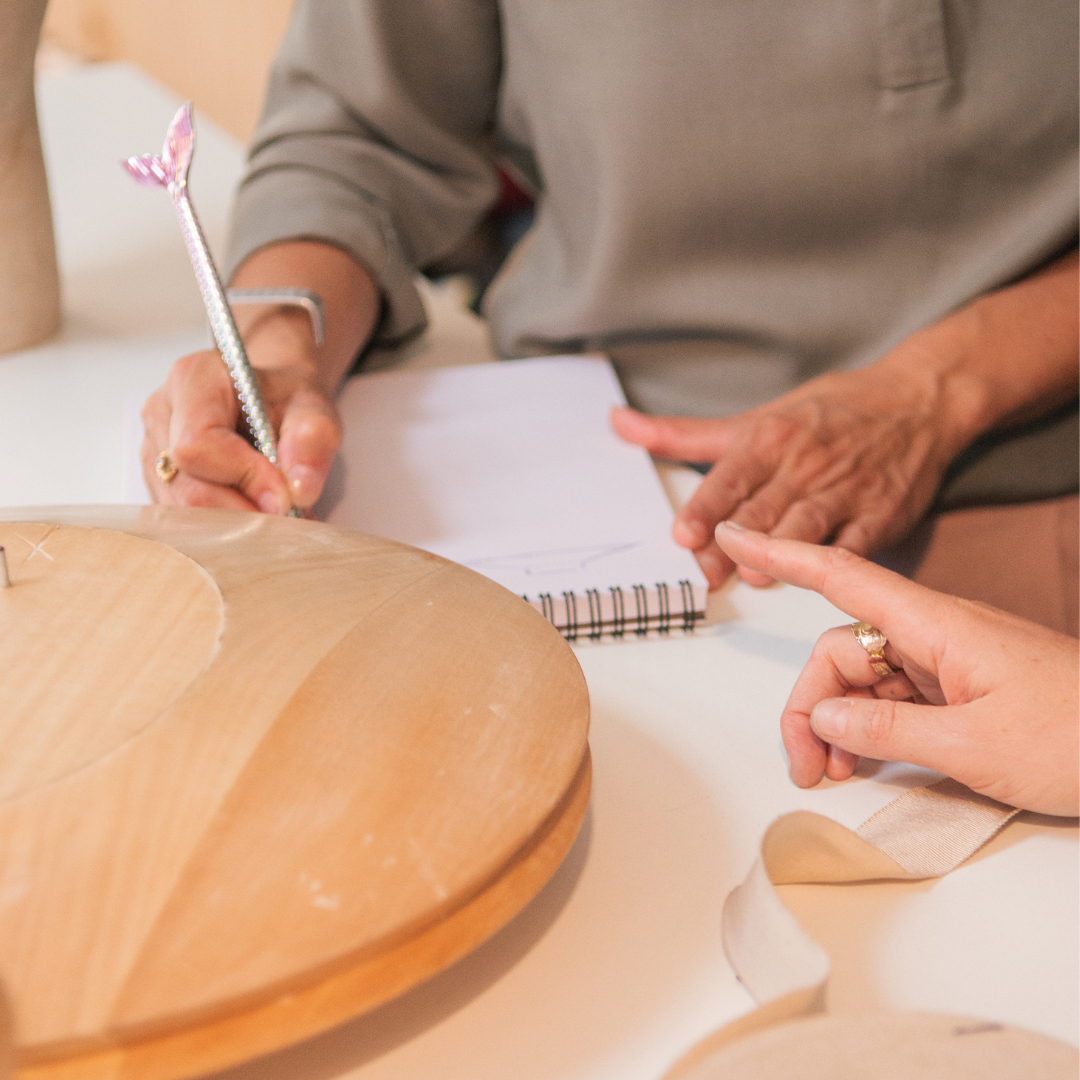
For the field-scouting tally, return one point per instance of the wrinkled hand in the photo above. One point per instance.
(985, 697)
(853, 457)
(195, 415)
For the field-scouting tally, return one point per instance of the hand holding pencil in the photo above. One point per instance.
(192, 421)
(170, 171)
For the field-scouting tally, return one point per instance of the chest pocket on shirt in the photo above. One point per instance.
(912, 43)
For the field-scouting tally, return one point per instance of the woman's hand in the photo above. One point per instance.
(855, 457)
(195, 415)
(983, 696)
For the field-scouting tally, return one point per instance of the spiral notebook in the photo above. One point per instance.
(513, 470)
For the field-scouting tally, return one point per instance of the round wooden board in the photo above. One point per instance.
(257, 776)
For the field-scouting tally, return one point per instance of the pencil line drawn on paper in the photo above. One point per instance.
(538, 563)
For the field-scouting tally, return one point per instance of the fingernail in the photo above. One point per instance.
(690, 534)
(269, 503)
(304, 485)
(731, 525)
(829, 718)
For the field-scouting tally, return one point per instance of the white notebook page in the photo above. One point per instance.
(513, 470)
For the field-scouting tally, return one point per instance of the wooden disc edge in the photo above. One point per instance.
(348, 993)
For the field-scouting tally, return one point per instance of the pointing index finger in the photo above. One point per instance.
(860, 588)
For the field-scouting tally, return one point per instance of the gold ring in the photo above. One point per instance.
(165, 467)
(874, 642)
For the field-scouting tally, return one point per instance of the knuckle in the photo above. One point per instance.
(249, 480)
(155, 407)
(840, 558)
(197, 495)
(835, 562)
(775, 430)
(812, 518)
(866, 534)
(666, 427)
(724, 486)
(186, 452)
(825, 645)
(203, 370)
(821, 463)
(315, 429)
(756, 515)
(185, 367)
(662, 435)
(855, 540)
(877, 729)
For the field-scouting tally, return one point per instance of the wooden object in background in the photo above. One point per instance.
(29, 282)
(7, 1035)
(215, 52)
(258, 775)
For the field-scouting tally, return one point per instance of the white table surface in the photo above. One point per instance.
(616, 967)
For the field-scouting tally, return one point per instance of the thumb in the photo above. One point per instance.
(681, 438)
(892, 731)
(308, 440)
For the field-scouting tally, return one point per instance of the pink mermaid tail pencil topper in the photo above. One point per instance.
(170, 172)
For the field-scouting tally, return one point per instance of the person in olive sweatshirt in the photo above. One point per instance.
(830, 246)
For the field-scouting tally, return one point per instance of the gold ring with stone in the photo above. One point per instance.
(165, 467)
(874, 642)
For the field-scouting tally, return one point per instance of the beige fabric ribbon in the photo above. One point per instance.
(924, 833)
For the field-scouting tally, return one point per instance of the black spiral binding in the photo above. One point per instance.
(596, 616)
(689, 612)
(641, 602)
(663, 625)
(570, 633)
(618, 624)
(642, 621)
(547, 607)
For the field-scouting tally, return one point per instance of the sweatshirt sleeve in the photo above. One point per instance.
(376, 136)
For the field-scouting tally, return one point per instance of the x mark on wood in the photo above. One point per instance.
(39, 547)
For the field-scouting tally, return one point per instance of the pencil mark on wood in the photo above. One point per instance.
(39, 547)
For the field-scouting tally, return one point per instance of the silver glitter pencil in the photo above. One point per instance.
(170, 172)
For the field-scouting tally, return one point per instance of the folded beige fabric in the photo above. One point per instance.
(924, 833)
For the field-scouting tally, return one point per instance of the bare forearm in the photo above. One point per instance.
(1004, 358)
(277, 337)
(856, 456)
